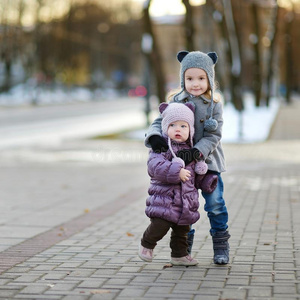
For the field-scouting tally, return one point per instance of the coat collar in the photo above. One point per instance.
(185, 95)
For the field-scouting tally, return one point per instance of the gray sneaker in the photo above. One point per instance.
(184, 261)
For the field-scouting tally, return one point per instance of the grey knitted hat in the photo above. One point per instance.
(206, 62)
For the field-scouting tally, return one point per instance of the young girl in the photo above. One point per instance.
(173, 192)
(197, 87)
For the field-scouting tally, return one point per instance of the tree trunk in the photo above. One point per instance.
(6, 49)
(271, 55)
(189, 26)
(235, 56)
(40, 63)
(228, 33)
(7, 71)
(257, 80)
(154, 56)
(288, 56)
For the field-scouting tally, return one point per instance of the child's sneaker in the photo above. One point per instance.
(145, 253)
(184, 261)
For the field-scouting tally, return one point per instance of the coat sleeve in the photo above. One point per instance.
(210, 140)
(154, 129)
(164, 170)
(198, 180)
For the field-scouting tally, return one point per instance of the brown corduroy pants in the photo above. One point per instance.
(158, 228)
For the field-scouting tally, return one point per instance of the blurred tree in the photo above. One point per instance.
(226, 24)
(257, 68)
(154, 56)
(87, 44)
(235, 55)
(97, 43)
(81, 38)
(189, 26)
(38, 35)
(86, 41)
(11, 39)
(7, 48)
(272, 48)
(289, 70)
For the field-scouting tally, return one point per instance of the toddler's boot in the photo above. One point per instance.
(190, 240)
(221, 247)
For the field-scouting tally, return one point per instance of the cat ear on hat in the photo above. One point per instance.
(162, 107)
(191, 106)
(181, 55)
(213, 56)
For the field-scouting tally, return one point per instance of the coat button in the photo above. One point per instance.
(205, 102)
(201, 121)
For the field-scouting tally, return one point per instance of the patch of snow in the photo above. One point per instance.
(29, 93)
(253, 124)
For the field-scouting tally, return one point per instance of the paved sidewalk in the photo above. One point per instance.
(88, 251)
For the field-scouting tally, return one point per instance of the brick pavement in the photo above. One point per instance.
(262, 190)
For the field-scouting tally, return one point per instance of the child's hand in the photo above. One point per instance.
(188, 155)
(158, 144)
(184, 175)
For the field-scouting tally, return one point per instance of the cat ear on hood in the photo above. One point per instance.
(213, 56)
(162, 107)
(181, 55)
(191, 106)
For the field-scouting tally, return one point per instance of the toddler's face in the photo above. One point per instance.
(195, 81)
(179, 131)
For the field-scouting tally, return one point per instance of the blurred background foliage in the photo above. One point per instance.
(119, 44)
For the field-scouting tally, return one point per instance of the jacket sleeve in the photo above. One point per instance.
(198, 180)
(207, 183)
(161, 169)
(154, 129)
(210, 140)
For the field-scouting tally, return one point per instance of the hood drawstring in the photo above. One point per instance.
(170, 147)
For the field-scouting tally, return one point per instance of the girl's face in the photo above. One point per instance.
(196, 81)
(179, 131)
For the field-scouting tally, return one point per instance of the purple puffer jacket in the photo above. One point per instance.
(169, 198)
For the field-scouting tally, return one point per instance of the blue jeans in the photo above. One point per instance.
(215, 208)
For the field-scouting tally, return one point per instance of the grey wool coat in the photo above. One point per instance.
(208, 143)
